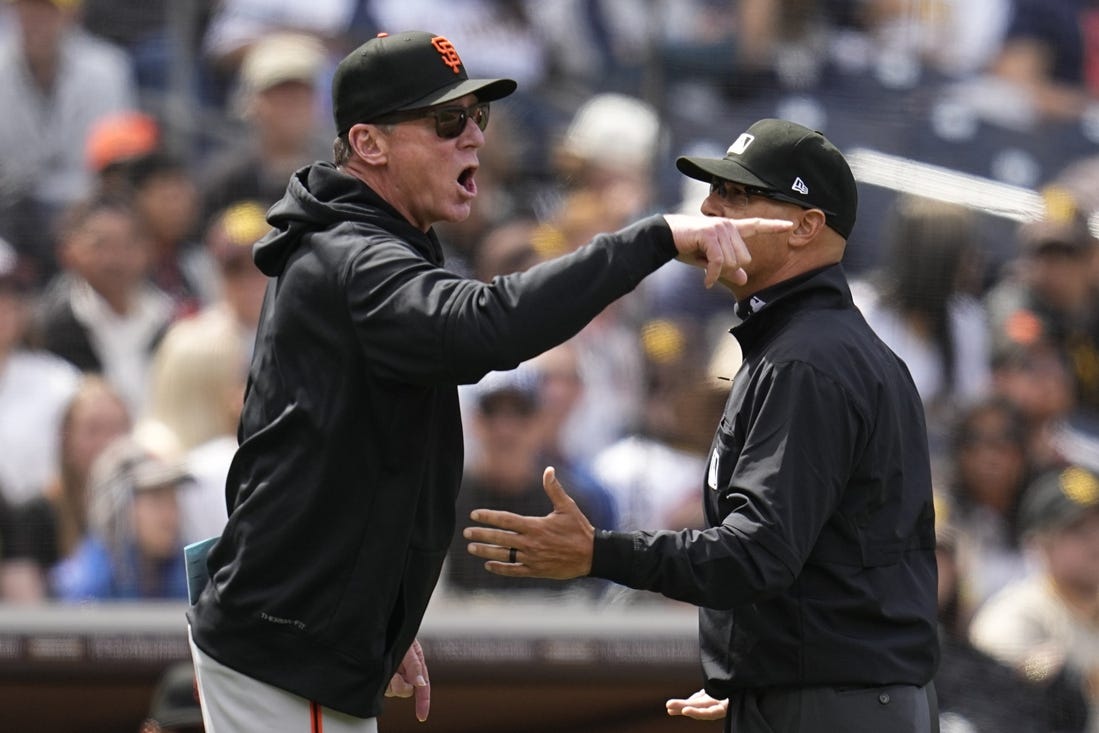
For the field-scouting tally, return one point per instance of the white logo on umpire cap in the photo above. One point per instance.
(800, 187)
(741, 144)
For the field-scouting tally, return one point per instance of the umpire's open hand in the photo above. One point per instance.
(717, 244)
(699, 706)
(558, 545)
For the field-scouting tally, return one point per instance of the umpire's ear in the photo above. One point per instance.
(808, 225)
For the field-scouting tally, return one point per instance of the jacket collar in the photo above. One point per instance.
(825, 287)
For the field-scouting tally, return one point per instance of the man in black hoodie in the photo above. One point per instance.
(341, 494)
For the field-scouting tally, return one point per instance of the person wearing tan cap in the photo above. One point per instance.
(1046, 625)
(341, 494)
(278, 101)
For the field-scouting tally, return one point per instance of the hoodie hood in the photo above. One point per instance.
(320, 196)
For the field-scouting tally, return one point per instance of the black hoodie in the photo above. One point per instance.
(341, 495)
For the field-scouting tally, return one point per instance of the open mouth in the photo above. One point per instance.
(465, 180)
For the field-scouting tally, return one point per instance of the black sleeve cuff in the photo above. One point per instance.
(662, 233)
(612, 555)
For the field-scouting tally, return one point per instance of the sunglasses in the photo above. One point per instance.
(450, 122)
(740, 197)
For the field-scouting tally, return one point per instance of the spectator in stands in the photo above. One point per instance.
(604, 159)
(505, 472)
(167, 200)
(101, 313)
(34, 389)
(196, 391)
(989, 470)
(278, 99)
(152, 34)
(607, 152)
(114, 143)
(132, 550)
(239, 285)
(1047, 54)
(923, 304)
(50, 527)
(560, 391)
(653, 473)
(1037, 378)
(976, 692)
(55, 82)
(236, 25)
(1050, 296)
(1045, 625)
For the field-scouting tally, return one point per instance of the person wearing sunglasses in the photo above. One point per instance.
(341, 495)
(815, 573)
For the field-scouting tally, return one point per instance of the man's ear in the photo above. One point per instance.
(807, 227)
(368, 143)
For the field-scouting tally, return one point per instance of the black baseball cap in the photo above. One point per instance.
(1059, 498)
(793, 163)
(409, 70)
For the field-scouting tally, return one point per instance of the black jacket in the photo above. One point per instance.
(341, 495)
(818, 565)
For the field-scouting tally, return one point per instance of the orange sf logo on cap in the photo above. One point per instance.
(448, 52)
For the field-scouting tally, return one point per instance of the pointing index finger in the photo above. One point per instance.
(757, 225)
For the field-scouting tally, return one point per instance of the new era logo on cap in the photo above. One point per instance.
(800, 187)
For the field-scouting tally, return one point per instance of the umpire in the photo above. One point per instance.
(815, 576)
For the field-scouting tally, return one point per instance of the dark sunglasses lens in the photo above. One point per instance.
(451, 121)
(479, 113)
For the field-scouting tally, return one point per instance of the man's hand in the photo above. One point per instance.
(717, 244)
(558, 545)
(411, 680)
(699, 706)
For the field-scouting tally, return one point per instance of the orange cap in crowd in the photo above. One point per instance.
(121, 137)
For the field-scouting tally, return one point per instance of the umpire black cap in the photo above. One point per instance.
(792, 163)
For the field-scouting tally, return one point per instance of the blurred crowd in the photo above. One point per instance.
(143, 140)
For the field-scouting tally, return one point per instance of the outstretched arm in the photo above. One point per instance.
(717, 244)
